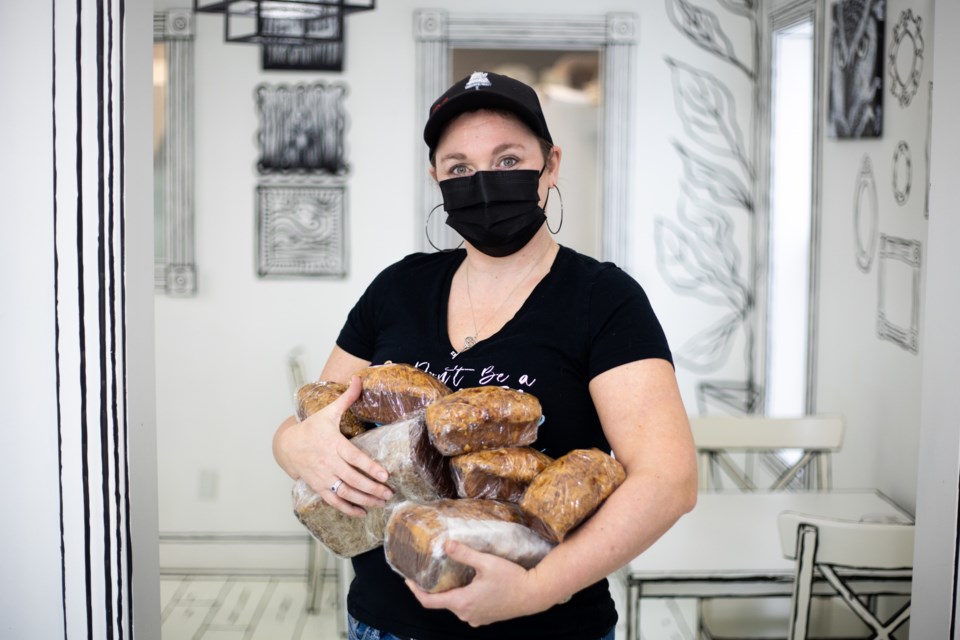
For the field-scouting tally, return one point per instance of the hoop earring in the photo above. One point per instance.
(426, 232)
(559, 195)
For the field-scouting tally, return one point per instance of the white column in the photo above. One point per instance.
(77, 378)
(935, 581)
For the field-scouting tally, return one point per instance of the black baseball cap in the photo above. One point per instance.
(485, 90)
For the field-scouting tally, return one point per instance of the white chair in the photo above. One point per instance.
(842, 566)
(794, 450)
(321, 564)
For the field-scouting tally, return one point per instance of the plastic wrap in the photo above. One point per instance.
(417, 472)
(568, 491)
(481, 418)
(314, 396)
(345, 536)
(499, 474)
(391, 391)
(416, 534)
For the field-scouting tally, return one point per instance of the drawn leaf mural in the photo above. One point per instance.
(711, 347)
(688, 264)
(723, 186)
(741, 7)
(704, 29)
(716, 253)
(708, 112)
(697, 254)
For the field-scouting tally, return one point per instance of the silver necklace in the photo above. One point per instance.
(470, 341)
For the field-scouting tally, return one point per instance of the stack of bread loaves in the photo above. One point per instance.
(511, 500)
(394, 395)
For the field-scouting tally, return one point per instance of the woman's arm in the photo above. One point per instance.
(644, 420)
(316, 451)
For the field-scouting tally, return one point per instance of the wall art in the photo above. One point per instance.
(301, 231)
(905, 60)
(926, 151)
(322, 56)
(898, 312)
(302, 128)
(323, 53)
(697, 254)
(866, 215)
(856, 69)
(902, 173)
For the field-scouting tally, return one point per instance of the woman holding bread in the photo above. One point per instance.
(510, 308)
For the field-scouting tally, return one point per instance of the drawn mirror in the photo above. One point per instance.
(448, 43)
(174, 268)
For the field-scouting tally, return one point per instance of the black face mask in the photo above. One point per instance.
(495, 211)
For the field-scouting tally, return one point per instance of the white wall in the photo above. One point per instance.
(935, 564)
(874, 383)
(29, 422)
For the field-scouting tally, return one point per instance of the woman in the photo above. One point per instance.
(511, 308)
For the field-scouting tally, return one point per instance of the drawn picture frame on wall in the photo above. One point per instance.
(898, 299)
(322, 55)
(301, 231)
(856, 69)
(302, 129)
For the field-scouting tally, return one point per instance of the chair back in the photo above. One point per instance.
(856, 558)
(296, 374)
(815, 437)
(847, 543)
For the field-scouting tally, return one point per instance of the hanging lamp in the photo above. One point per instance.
(283, 22)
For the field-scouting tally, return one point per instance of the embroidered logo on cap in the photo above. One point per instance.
(477, 79)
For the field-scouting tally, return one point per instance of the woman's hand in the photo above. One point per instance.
(500, 590)
(340, 473)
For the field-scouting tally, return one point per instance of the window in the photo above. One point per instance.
(791, 219)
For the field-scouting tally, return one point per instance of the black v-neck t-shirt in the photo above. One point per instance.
(583, 318)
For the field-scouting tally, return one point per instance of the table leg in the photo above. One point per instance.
(634, 593)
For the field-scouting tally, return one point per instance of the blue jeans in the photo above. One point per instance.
(361, 631)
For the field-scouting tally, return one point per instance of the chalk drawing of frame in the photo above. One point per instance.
(898, 302)
(902, 173)
(301, 231)
(866, 215)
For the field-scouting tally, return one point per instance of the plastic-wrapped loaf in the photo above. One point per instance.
(569, 490)
(345, 536)
(392, 390)
(314, 396)
(416, 535)
(499, 474)
(417, 472)
(479, 418)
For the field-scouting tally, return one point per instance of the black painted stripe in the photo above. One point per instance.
(56, 318)
(102, 346)
(82, 337)
(953, 573)
(123, 315)
(112, 343)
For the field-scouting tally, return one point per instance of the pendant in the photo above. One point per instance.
(468, 342)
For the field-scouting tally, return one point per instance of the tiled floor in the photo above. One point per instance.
(243, 608)
(201, 607)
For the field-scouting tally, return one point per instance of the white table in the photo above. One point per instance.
(729, 545)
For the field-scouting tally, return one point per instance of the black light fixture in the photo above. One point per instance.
(283, 22)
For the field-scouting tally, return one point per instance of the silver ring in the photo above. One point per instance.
(335, 486)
